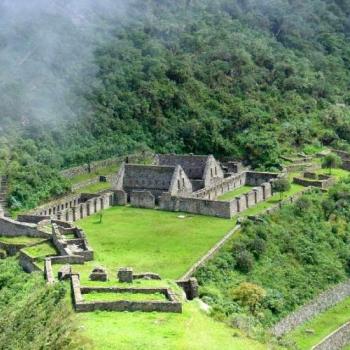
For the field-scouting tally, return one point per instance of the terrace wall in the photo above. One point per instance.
(12, 228)
(336, 340)
(95, 166)
(320, 304)
(27, 263)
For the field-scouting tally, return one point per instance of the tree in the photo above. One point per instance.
(331, 161)
(281, 185)
(250, 295)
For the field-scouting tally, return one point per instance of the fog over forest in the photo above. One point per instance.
(46, 55)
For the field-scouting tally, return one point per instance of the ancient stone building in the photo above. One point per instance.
(203, 171)
(136, 179)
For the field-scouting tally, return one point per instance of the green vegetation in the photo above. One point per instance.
(331, 161)
(147, 331)
(237, 192)
(151, 240)
(281, 186)
(20, 240)
(245, 79)
(102, 171)
(340, 174)
(311, 333)
(292, 255)
(98, 296)
(272, 201)
(40, 251)
(34, 315)
(94, 188)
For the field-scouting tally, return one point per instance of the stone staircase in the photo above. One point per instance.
(3, 194)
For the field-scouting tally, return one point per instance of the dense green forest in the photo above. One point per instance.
(33, 315)
(248, 79)
(280, 263)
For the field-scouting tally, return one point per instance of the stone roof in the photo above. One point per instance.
(193, 165)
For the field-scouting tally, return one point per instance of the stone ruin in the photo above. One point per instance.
(127, 275)
(309, 179)
(191, 183)
(98, 274)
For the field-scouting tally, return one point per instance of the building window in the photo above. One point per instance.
(178, 185)
(211, 172)
(183, 182)
(216, 171)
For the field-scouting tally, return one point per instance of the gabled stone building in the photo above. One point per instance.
(155, 179)
(203, 171)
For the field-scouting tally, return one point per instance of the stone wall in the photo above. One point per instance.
(73, 208)
(322, 181)
(95, 166)
(195, 206)
(12, 228)
(27, 263)
(32, 219)
(120, 197)
(142, 199)
(256, 178)
(48, 272)
(171, 305)
(212, 172)
(320, 304)
(336, 340)
(251, 198)
(221, 187)
(210, 253)
(345, 156)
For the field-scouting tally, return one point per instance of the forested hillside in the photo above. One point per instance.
(249, 79)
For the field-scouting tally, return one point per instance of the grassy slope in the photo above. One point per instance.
(151, 240)
(94, 188)
(102, 171)
(237, 192)
(161, 242)
(321, 325)
(191, 330)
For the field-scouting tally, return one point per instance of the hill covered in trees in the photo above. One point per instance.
(248, 79)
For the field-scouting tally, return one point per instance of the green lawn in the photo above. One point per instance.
(191, 330)
(152, 240)
(321, 325)
(94, 188)
(101, 296)
(236, 192)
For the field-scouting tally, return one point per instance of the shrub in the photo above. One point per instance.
(331, 161)
(244, 261)
(249, 295)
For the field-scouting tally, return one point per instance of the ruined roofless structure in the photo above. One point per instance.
(178, 175)
(203, 171)
(153, 178)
